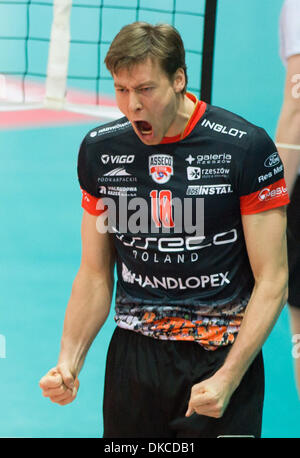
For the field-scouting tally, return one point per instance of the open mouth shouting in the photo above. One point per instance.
(145, 129)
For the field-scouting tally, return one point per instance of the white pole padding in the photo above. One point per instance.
(58, 58)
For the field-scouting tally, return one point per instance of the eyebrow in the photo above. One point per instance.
(146, 83)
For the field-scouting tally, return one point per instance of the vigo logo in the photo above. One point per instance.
(272, 160)
(161, 167)
(124, 159)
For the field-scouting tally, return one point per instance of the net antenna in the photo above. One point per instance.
(50, 87)
(208, 50)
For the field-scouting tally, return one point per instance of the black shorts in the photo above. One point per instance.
(148, 383)
(293, 243)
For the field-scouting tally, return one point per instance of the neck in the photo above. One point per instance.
(184, 111)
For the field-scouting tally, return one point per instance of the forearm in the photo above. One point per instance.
(86, 312)
(263, 309)
(211, 396)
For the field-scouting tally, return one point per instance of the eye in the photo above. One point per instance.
(146, 89)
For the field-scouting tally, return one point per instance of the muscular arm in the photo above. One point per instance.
(87, 310)
(266, 245)
(288, 128)
(288, 131)
(91, 295)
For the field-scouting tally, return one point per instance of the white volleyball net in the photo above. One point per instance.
(52, 52)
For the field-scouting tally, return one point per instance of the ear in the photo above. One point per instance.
(179, 80)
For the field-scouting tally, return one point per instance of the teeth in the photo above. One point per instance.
(144, 127)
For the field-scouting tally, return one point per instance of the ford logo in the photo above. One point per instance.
(272, 160)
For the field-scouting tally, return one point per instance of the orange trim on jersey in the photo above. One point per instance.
(198, 112)
(91, 204)
(210, 336)
(271, 196)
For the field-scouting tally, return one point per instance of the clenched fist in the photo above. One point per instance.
(210, 397)
(59, 385)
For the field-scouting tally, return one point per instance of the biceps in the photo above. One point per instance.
(265, 236)
(98, 252)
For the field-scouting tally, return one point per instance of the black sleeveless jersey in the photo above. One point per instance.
(174, 210)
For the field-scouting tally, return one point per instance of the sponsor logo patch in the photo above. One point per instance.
(117, 159)
(270, 193)
(120, 171)
(167, 283)
(209, 190)
(272, 160)
(193, 173)
(161, 167)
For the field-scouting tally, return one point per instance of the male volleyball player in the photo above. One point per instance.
(193, 309)
(288, 132)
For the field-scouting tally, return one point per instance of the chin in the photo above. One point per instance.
(151, 140)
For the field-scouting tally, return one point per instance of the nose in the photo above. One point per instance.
(134, 103)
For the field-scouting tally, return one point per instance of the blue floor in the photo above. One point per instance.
(40, 233)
